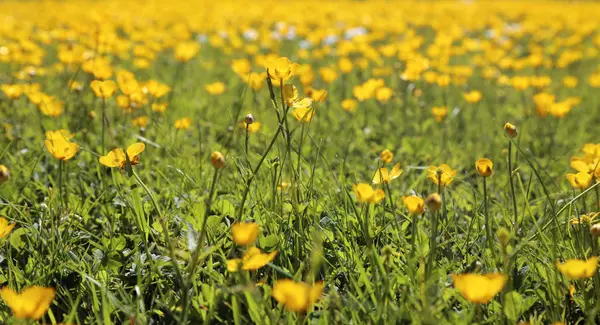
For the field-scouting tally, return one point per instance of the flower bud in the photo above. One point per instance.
(484, 167)
(503, 236)
(4, 174)
(387, 250)
(595, 230)
(386, 156)
(511, 130)
(434, 202)
(217, 160)
(249, 119)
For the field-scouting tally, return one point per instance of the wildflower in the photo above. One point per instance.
(31, 303)
(61, 149)
(472, 97)
(384, 94)
(5, 227)
(217, 160)
(317, 95)
(281, 69)
(290, 94)
(575, 269)
(117, 158)
(252, 128)
(104, 89)
(439, 113)
(479, 288)
(366, 194)
(580, 180)
(511, 130)
(434, 202)
(382, 175)
(159, 107)
(183, 124)
(414, 204)
(570, 81)
(185, 51)
(303, 114)
(484, 167)
(386, 156)
(140, 121)
(12, 91)
(585, 219)
(244, 233)
(215, 88)
(4, 174)
(127, 83)
(442, 175)
(296, 296)
(254, 259)
(349, 105)
(61, 134)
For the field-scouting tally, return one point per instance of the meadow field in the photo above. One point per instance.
(299, 162)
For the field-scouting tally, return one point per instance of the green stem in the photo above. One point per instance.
(433, 250)
(512, 189)
(103, 125)
(488, 226)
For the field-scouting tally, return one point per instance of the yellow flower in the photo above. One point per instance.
(382, 175)
(117, 158)
(12, 91)
(366, 194)
(296, 296)
(414, 204)
(349, 105)
(254, 259)
(5, 227)
(215, 88)
(580, 180)
(484, 167)
(478, 288)
(439, 112)
(281, 69)
(585, 219)
(104, 89)
(127, 82)
(317, 95)
(442, 175)
(303, 114)
(61, 149)
(217, 160)
(290, 94)
(141, 121)
(241, 66)
(61, 134)
(434, 201)
(384, 94)
(575, 269)
(472, 97)
(252, 127)
(183, 124)
(511, 130)
(185, 51)
(31, 303)
(4, 174)
(244, 233)
(159, 107)
(386, 156)
(570, 82)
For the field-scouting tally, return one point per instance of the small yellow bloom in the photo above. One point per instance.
(472, 97)
(382, 175)
(281, 69)
(414, 204)
(31, 303)
(484, 167)
(439, 113)
(511, 130)
(252, 127)
(580, 180)
(296, 296)
(5, 227)
(159, 107)
(478, 288)
(244, 233)
(290, 94)
(117, 158)
(4, 174)
(386, 156)
(442, 175)
(254, 259)
(366, 194)
(140, 121)
(12, 91)
(104, 89)
(183, 124)
(217, 160)
(349, 105)
(61, 149)
(185, 51)
(575, 269)
(303, 114)
(215, 88)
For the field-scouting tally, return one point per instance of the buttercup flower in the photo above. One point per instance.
(4, 174)
(366, 194)
(414, 204)
(183, 124)
(296, 296)
(117, 158)
(61, 149)
(511, 130)
(484, 167)
(477, 288)
(575, 269)
(104, 89)
(382, 175)
(217, 160)
(5, 227)
(580, 180)
(386, 156)
(244, 233)
(31, 303)
(442, 175)
(254, 259)
(281, 69)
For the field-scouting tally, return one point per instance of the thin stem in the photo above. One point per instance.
(433, 239)
(512, 189)
(103, 124)
(488, 226)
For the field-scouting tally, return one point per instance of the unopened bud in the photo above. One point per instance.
(4, 174)
(387, 250)
(434, 202)
(511, 130)
(595, 230)
(249, 119)
(503, 236)
(217, 160)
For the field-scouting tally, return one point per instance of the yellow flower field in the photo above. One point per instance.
(306, 162)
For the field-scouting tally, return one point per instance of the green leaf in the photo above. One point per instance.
(15, 238)
(513, 303)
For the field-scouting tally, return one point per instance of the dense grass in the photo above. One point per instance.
(149, 244)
